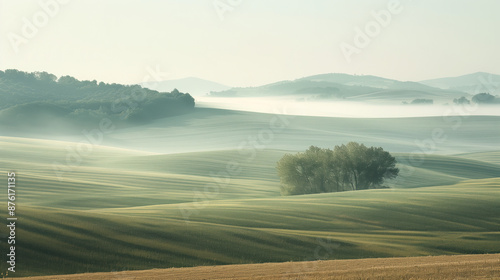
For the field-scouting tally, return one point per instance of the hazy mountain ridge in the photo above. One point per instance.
(471, 83)
(345, 86)
(192, 85)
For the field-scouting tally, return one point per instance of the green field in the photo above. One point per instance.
(212, 203)
(214, 129)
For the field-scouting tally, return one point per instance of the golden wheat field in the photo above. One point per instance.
(485, 266)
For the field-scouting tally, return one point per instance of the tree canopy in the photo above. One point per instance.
(461, 100)
(420, 101)
(347, 167)
(40, 95)
(484, 98)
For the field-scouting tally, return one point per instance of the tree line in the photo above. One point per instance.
(480, 98)
(27, 95)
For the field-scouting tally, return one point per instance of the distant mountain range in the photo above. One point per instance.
(191, 85)
(370, 88)
(471, 83)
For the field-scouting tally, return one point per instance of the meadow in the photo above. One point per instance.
(188, 191)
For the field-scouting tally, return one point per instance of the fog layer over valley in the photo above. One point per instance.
(207, 129)
(345, 109)
(324, 110)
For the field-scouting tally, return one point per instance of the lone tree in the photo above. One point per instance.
(347, 167)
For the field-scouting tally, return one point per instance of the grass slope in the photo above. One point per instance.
(123, 209)
(454, 219)
(492, 156)
(110, 177)
(215, 129)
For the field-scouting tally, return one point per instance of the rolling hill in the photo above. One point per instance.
(201, 189)
(116, 174)
(42, 101)
(472, 83)
(122, 209)
(346, 87)
(454, 219)
(207, 129)
(214, 129)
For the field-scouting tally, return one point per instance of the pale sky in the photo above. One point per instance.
(254, 43)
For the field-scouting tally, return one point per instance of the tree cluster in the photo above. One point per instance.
(485, 98)
(461, 101)
(347, 167)
(28, 95)
(480, 98)
(421, 101)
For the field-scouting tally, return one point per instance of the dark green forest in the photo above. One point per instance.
(37, 98)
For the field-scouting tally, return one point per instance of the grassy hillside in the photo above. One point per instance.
(124, 209)
(492, 157)
(439, 170)
(111, 177)
(215, 129)
(454, 219)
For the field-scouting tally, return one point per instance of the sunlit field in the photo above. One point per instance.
(441, 267)
(230, 139)
(127, 209)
